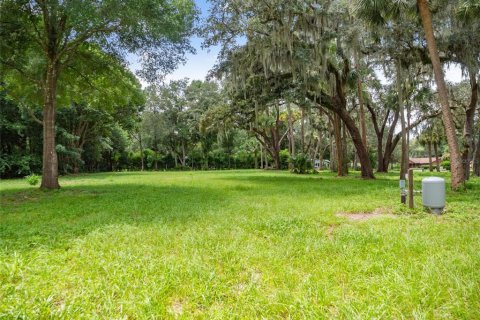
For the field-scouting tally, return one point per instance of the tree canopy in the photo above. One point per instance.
(345, 85)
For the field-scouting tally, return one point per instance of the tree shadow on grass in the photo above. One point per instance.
(33, 218)
(315, 185)
(108, 174)
(30, 217)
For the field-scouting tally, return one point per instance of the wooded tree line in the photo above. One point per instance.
(352, 84)
(59, 53)
(327, 55)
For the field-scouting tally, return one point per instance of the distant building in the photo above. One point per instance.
(420, 162)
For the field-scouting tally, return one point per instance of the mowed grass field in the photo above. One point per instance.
(235, 245)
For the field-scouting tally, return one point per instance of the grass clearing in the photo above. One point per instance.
(234, 244)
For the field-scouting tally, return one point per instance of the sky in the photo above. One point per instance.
(197, 65)
(453, 74)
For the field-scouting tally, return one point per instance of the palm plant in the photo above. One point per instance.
(389, 12)
(452, 140)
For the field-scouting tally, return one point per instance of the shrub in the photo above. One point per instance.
(17, 164)
(446, 164)
(284, 158)
(301, 163)
(33, 179)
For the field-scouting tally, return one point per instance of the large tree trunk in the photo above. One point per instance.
(338, 145)
(379, 132)
(261, 157)
(333, 158)
(337, 104)
(391, 142)
(270, 140)
(404, 155)
(50, 159)
(363, 126)
(437, 160)
(266, 160)
(156, 160)
(291, 137)
(156, 150)
(476, 158)
(205, 159)
(367, 171)
(430, 165)
(184, 163)
(380, 159)
(276, 159)
(141, 151)
(455, 156)
(409, 118)
(388, 155)
(345, 150)
(316, 149)
(469, 143)
(302, 130)
(276, 139)
(366, 166)
(320, 155)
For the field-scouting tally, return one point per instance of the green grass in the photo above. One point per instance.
(234, 244)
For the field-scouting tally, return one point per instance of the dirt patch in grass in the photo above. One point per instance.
(19, 197)
(330, 231)
(256, 276)
(239, 288)
(361, 216)
(176, 308)
(35, 195)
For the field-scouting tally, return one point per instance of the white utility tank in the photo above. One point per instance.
(433, 194)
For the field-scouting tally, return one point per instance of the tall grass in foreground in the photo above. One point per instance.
(234, 244)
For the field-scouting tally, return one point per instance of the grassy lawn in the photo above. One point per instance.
(234, 244)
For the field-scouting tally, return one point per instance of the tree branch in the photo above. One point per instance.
(22, 72)
(34, 117)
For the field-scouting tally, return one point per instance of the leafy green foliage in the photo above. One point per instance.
(301, 163)
(18, 164)
(74, 44)
(20, 140)
(33, 179)
(182, 120)
(156, 30)
(446, 164)
(284, 158)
